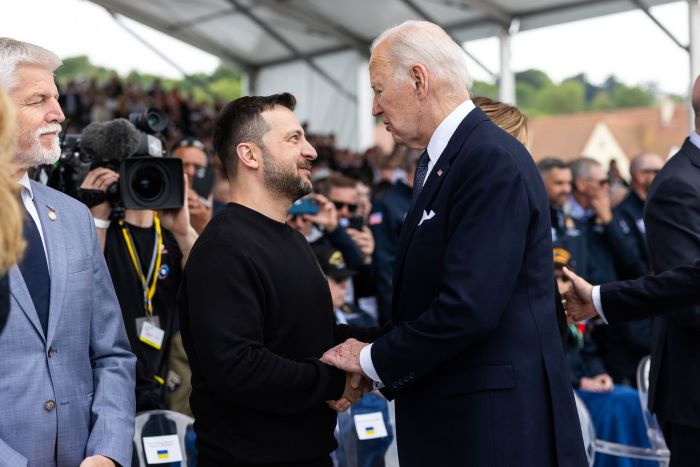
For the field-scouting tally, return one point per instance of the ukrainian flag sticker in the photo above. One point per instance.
(162, 449)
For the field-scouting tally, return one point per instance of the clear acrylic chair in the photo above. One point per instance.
(594, 445)
(654, 433)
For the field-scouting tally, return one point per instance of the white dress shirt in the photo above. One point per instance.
(436, 146)
(28, 200)
(597, 303)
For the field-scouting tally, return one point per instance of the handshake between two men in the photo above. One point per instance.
(346, 357)
(628, 300)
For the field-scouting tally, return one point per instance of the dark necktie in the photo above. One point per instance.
(419, 178)
(35, 270)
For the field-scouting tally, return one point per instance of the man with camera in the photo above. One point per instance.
(67, 371)
(196, 164)
(145, 253)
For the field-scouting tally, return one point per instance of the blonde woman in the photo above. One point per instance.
(507, 117)
(11, 242)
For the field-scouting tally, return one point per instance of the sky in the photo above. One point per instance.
(627, 45)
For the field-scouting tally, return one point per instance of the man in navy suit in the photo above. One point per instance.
(474, 360)
(672, 221)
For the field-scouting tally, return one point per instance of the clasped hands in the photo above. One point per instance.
(346, 357)
(578, 301)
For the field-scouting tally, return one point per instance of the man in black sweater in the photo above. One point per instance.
(256, 310)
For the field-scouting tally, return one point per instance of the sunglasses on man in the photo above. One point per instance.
(352, 207)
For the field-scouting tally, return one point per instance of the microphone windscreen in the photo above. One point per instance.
(113, 140)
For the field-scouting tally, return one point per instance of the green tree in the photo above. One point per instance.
(80, 66)
(568, 97)
(536, 78)
(482, 88)
(525, 95)
(602, 101)
(631, 96)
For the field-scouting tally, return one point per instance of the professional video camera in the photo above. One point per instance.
(147, 180)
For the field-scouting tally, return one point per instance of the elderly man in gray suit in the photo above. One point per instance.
(66, 372)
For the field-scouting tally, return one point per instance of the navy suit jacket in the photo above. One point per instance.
(651, 296)
(474, 360)
(672, 220)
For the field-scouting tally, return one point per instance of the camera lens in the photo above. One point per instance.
(148, 182)
(151, 120)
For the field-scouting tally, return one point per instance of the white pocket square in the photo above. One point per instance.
(426, 216)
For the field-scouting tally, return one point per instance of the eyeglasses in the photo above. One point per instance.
(602, 182)
(650, 171)
(352, 207)
(190, 143)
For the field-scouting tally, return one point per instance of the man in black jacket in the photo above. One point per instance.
(256, 312)
(672, 220)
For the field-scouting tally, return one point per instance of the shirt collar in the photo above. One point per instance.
(695, 139)
(26, 186)
(577, 211)
(444, 131)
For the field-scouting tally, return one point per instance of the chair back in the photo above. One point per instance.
(587, 429)
(656, 436)
(160, 423)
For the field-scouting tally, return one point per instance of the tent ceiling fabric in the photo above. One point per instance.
(238, 31)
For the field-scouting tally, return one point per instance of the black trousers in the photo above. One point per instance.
(683, 442)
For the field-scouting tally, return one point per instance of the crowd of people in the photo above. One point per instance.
(299, 279)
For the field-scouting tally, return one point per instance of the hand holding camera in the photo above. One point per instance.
(100, 180)
(327, 214)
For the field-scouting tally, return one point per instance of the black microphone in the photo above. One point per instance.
(113, 140)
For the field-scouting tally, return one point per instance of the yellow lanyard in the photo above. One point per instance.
(148, 291)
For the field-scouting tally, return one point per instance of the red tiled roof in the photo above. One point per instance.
(637, 131)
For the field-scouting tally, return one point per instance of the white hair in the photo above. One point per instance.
(13, 53)
(428, 44)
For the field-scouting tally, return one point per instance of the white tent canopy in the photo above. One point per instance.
(318, 49)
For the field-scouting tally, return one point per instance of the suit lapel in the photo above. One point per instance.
(18, 289)
(56, 251)
(432, 186)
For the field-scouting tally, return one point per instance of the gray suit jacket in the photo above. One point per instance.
(70, 394)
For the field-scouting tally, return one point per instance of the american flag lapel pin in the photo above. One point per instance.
(52, 213)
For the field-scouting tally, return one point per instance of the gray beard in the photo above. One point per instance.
(38, 155)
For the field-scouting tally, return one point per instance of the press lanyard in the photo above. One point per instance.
(148, 290)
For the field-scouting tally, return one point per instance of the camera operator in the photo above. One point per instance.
(197, 166)
(145, 253)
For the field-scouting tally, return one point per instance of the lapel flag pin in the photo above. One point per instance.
(52, 213)
(439, 172)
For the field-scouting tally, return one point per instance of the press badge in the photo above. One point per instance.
(162, 449)
(370, 425)
(151, 334)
